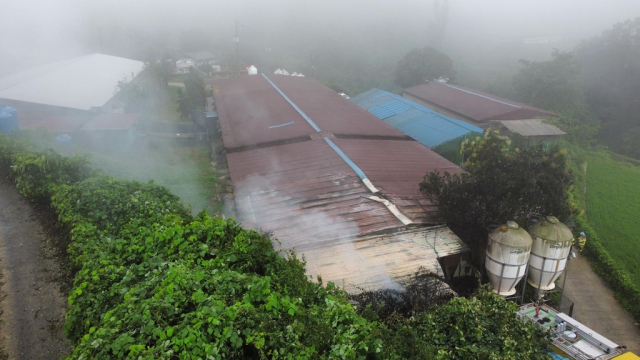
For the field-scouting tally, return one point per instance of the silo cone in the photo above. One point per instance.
(551, 246)
(508, 249)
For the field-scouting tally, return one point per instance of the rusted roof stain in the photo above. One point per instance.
(289, 181)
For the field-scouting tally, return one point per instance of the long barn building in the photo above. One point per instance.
(333, 182)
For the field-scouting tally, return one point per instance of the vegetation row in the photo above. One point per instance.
(152, 281)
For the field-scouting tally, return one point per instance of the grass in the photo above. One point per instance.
(167, 109)
(613, 208)
(186, 171)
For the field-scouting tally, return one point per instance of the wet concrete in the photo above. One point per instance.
(596, 307)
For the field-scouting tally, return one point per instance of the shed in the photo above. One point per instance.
(109, 132)
(470, 105)
(332, 181)
(75, 87)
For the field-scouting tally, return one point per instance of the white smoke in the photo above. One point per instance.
(328, 243)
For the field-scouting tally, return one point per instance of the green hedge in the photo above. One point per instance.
(152, 282)
(626, 291)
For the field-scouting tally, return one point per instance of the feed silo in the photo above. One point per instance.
(551, 246)
(508, 249)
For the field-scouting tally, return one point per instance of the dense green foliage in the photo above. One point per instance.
(146, 91)
(193, 287)
(555, 85)
(501, 185)
(420, 65)
(613, 196)
(153, 281)
(611, 73)
(192, 99)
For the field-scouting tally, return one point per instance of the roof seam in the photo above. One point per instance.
(482, 96)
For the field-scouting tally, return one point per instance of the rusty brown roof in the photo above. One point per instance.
(248, 105)
(251, 111)
(310, 197)
(54, 123)
(111, 121)
(474, 104)
(297, 190)
(330, 111)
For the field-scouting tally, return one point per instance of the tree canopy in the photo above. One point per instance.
(193, 97)
(555, 85)
(500, 185)
(420, 65)
(611, 74)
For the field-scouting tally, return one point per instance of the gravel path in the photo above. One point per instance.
(31, 306)
(596, 307)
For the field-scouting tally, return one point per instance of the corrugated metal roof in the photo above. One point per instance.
(54, 123)
(532, 127)
(428, 127)
(248, 105)
(378, 262)
(304, 193)
(330, 111)
(79, 83)
(307, 194)
(474, 104)
(111, 121)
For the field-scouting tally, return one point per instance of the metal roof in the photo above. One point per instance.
(378, 262)
(54, 123)
(255, 112)
(111, 121)
(306, 182)
(79, 83)
(330, 111)
(532, 127)
(474, 104)
(248, 108)
(428, 127)
(304, 193)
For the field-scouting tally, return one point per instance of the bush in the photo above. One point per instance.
(155, 282)
(36, 174)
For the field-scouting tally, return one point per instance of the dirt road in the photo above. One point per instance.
(596, 307)
(31, 305)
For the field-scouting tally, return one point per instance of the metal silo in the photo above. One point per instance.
(507, 253)
(551, 246)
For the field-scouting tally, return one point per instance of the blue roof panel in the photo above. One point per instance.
(421, 123)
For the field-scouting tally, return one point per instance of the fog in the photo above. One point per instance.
(34, 32)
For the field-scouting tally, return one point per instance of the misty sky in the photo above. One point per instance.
(33, 32)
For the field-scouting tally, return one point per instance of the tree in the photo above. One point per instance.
(193, 97)
(184, 105)
(611, 74)
(500, 185)
(555, 85)
(420, 65)
(438, 23)
(146, 90)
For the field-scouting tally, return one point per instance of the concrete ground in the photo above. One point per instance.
(596, 307)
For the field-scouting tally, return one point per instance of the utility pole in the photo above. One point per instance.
(312, 65)
(100, 36)
(236, 40)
